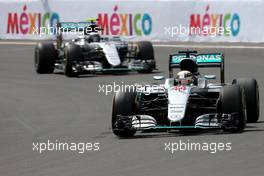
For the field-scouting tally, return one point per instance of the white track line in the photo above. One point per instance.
(208, 46)
(213, 46)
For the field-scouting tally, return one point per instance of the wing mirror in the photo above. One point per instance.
(209, 77)
(159, 77)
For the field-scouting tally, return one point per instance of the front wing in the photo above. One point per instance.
(206, 121)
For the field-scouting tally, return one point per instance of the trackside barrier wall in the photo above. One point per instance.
(156, 20)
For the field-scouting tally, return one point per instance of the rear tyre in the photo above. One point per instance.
(123, 104)
(232, 100)
(44, 59)
(146, 53)
(250, 87)
(73, 53)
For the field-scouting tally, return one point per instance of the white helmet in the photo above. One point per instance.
(184, 77)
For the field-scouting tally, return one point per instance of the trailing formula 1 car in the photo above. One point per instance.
(92, 53)
(187, 100)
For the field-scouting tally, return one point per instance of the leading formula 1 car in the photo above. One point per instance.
(187, 100)
(92, 53)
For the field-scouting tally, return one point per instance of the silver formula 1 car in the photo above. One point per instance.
(92, 53)
(187, 100)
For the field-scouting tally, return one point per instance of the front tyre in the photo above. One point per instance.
(44, 59)
(73, 53)
(250, 87)
(232, 101)
(146, 55)
(124, 105)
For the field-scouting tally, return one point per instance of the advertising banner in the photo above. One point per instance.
(156, 20)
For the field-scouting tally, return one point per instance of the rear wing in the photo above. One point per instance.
(78, 26)
(84, 26)
(202, 60)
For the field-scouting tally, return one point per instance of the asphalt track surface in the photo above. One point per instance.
(37, 108)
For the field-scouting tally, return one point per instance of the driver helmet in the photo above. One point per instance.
(184, 77)
(94, 38)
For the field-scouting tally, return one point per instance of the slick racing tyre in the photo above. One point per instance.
(250, 87)
(124, 105)
(232, 101)
(146, 53)
(44, 59)
(73, 53)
